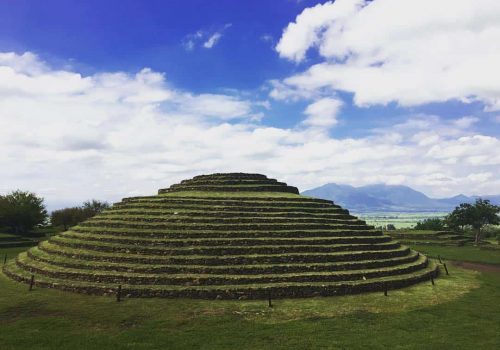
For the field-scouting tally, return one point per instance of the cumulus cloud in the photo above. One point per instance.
(322, 113)
(404, 51)
(309, 27)
(71, 137)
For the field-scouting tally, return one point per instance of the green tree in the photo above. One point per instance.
(459, 218)
(21, 211)
(476, 215)
(435, 224)
(67, 217)
(94, 207)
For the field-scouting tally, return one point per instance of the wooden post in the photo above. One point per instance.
(270, 304)
(119, 293)
(439, 257)
(5, 259)
(385, 288)
(446, 269)
(432, 280)
(32, 282)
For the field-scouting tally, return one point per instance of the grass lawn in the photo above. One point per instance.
(11, 252)
(460, 312)
(465, 253)
(7, 235)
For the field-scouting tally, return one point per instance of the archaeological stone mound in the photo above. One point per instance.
(223, 236)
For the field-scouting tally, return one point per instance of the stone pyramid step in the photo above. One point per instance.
(231, 235)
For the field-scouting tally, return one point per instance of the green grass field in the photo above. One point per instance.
(398, 219)
(465, 253)
(11, 252)
(460, 312)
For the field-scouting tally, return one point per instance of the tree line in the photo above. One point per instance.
(68, 217)
(22, 211)
(473, 216)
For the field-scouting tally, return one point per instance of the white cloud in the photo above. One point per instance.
(404, 51)
(214, 38)
(281, 91)
(188, 44)
(466, 122)
(322, 113)
(26, 63)
(309, 27)
(204, 38)
(190, 41)
(115, 134)
(469, 150)
(217, 106)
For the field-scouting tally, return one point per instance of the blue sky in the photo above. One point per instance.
(128, 35)
(99, 36)
(304, 90)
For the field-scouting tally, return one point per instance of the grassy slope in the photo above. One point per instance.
(453, 314)
(11, 252)
(460, 312)
(466, 253)
(412, 232)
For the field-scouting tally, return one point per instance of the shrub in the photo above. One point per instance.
(435, 224)
(491, 231)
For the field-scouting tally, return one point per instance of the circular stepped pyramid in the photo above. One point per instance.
(232, 236)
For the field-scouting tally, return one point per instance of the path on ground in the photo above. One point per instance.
(478, 266)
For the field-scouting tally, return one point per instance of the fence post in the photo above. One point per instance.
(439, 257)
(119, 293)
(446, 269)
(270, 304)
(432, 280)
(32, 282)
(5, 259)
(385, 288)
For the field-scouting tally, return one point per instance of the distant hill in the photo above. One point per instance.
(380, 197)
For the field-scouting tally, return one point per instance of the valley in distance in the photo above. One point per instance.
(400, 205)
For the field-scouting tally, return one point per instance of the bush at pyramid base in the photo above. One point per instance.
(231, 236)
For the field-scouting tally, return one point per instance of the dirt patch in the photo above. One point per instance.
(478, 267)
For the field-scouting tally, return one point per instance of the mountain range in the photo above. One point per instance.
(390, 198)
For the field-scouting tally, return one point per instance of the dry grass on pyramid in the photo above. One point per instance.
(223, 236)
